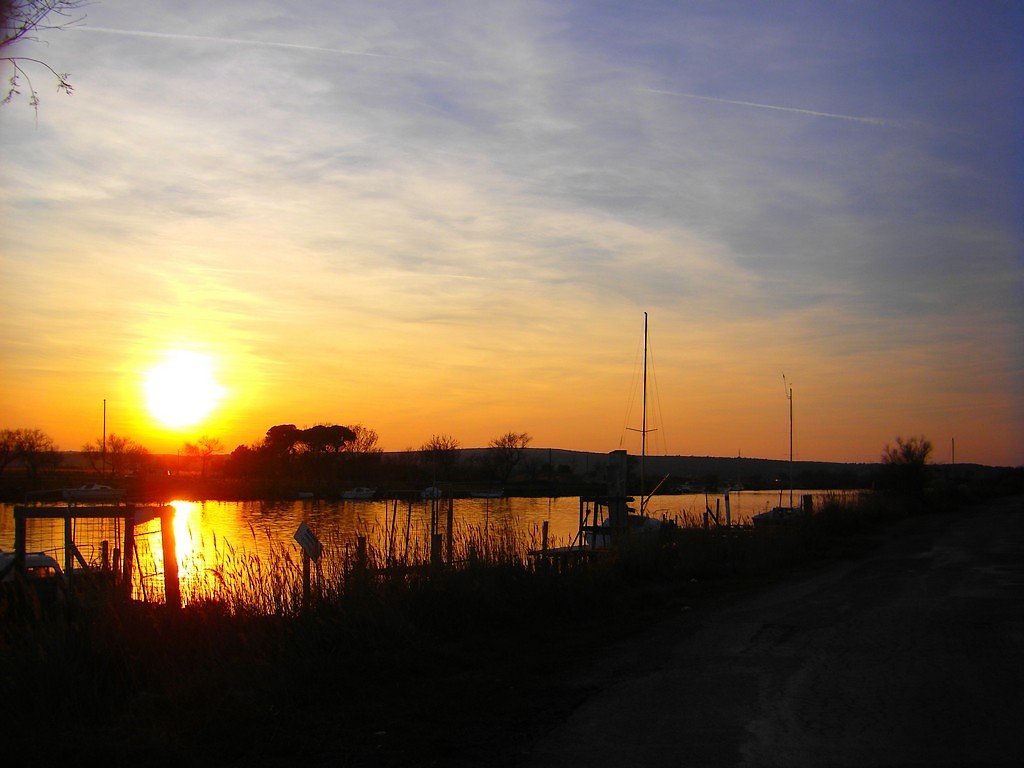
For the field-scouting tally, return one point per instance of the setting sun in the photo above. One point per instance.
(181, 390)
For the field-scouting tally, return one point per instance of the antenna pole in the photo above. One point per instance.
(643, 425)
(789, 396)
(790, 446)
(103, 459)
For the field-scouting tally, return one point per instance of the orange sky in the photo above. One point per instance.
(454, 224)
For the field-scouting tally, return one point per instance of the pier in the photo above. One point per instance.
(103, 523)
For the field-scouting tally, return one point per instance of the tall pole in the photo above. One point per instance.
(789, 395)
(103, 460)
(643, 426)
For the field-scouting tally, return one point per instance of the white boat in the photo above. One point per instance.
(38, 565)
(432, 492)
(495, 493)
(360, 493)
(93, 492)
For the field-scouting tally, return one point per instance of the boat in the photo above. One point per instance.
(494, 493)
(432, 492)
(360, 493)
(37, 565)
(645, 495)
(612, 514)
(93, 492)
(601, 536)
(782, 513)
(38, 574)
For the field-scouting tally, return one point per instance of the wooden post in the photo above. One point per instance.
(544, 536)
(19, 542)
(391, 537)
(435, 549)
(361, 555)
(68, 544)
(306, 588)
(448, 548)
(105, 555)
(172, 588)
(408, 524)
(582, 521)
(128, 549)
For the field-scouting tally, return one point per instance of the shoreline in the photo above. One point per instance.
(447, 675)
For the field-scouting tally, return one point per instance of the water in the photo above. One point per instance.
(247, 524)
(206, 531)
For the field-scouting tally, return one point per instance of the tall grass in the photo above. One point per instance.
(264, 576)
(247, 655)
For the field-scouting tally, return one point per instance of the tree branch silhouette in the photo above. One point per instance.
(20, 20)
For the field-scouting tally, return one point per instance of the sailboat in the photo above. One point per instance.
(782, 513)
(618, 515)
(645, 497)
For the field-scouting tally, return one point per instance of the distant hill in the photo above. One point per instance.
(592, 467)
(750, 472)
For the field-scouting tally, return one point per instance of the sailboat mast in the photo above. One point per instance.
(643, 426)
(789, 396)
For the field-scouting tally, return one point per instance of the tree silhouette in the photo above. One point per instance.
(506, 451)
(365, 440)
(903, 465)
(20, 20)
(281, 440)
(119, 453)
(441, 453)
(204, 449)
(325, 438)
(33, 447)
(8, 447)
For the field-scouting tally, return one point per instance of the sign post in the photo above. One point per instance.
(308, 541)
(311, 549)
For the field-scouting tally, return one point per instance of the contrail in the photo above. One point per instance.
(809, 112)
(239, 41)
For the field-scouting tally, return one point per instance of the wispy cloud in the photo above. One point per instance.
(245, 42)
(480, 202)
(778, 108)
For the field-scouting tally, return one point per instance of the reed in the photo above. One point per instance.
(385, 643)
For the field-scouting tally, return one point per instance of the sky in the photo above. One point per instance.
(449, 218)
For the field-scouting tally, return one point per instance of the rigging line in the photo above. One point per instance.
(653, 373)
(633, 387)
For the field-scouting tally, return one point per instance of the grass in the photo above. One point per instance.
(388, 666)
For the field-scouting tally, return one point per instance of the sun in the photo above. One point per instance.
(181, 390)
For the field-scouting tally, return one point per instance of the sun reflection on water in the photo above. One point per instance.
(189, 543)
(187, 518)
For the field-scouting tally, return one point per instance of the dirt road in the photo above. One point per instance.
(912, 655)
